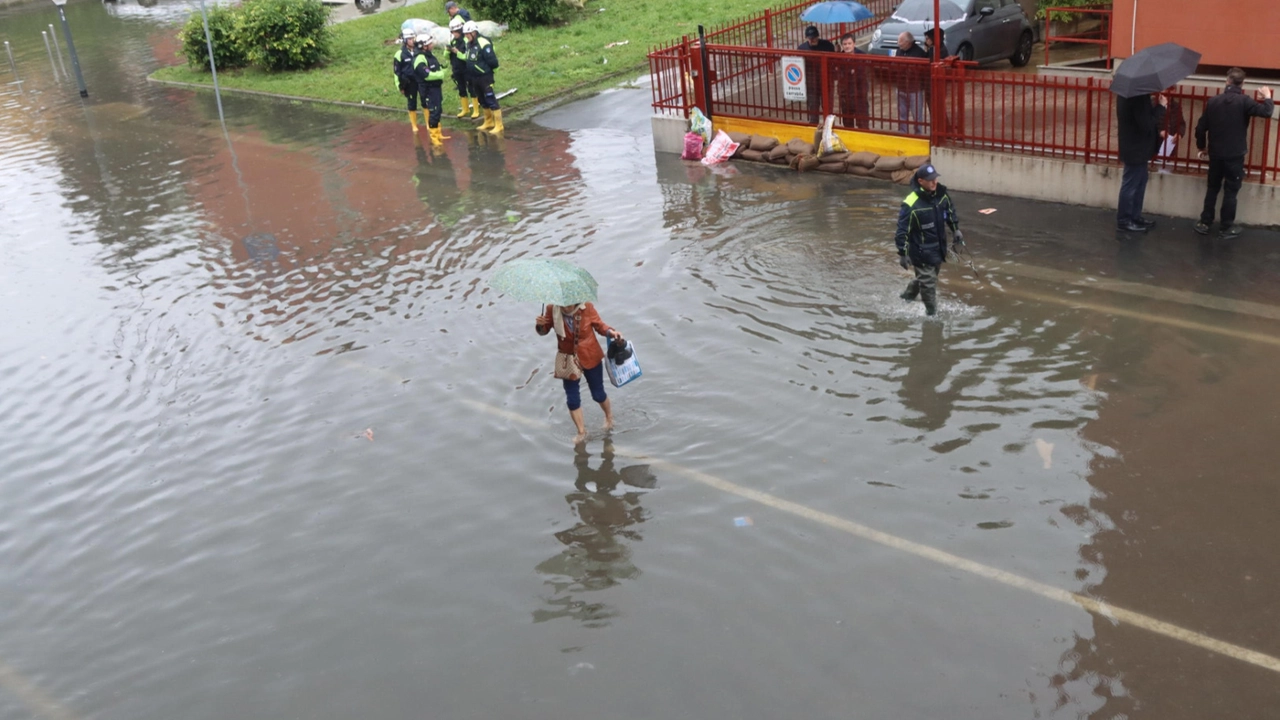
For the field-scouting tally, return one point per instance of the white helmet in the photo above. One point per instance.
(426, 39)
(407, 34)
(470, 27)
(455, 24)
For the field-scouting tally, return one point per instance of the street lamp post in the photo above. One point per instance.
(71, 46)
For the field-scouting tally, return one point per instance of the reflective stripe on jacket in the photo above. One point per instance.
(427, 70)
(481, 59)
(922, 220)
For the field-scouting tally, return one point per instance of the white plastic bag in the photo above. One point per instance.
(831, 142)
(720, 149)
(621, 373)
(700, 124)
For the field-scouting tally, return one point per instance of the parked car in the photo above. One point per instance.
(983, 30)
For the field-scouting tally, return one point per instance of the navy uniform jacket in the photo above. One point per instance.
(921, 233)
(427, 70)
(481, 59)
(1225, 122)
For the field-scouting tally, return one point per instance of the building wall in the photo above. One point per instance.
(1225, 32)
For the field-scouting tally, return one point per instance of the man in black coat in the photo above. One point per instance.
(1225, 127)
(1139, 119)
(814, 42)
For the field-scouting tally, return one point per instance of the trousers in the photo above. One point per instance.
(925, 285)
(482, 90)
(1225, 174)
(1133, 192)
(432, 98)
(595, 381)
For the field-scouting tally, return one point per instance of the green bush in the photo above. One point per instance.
(222, 31)
(520, 14)
(284, 34)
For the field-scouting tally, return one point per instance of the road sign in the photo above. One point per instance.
(793, 86)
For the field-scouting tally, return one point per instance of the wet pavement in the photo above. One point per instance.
(274, 450)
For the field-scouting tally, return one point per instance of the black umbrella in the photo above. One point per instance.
(1154, 70)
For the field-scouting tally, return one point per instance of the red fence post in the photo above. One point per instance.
(1088, 120)
(699, 86)
(768, 28)
(826, 90)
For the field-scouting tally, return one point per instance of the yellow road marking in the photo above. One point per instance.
(933, 554)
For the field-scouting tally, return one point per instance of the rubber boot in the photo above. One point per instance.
(912, 291)
(435, 137)
(475, 108)
(930, 309)
(497, 122)
(440, 132)
(462, 107)
(488, 120)
(413, 120)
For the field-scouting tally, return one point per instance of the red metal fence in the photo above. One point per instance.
(1099, 34)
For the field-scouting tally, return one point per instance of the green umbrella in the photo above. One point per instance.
(543, 280)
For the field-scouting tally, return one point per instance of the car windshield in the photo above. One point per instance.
(917, 10)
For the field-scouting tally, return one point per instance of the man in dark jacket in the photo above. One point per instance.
(814, 42)
(853, 86)
(429, 75)
(921, 237)
(458, 65)
(481, 62)
(1139, 119)
(1224, 126)
(402, 73)
(911, 87)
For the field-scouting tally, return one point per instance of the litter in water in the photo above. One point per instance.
(1045, 449)
(742, 521)
(987, 211)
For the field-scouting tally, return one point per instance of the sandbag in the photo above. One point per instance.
(882, 175)
(738, 153)
(778, 152)
(752, 155)
(805, 163)
(863, 159)
(836, 157)
(784, 160)
(903, 176)
(911, 162)
(888, 163)
(836, 167)
(763, 143)
(740, 138)
(799, 147)
(721, 148)
(859, 170)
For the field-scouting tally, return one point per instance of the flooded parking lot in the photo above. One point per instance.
(275, 450)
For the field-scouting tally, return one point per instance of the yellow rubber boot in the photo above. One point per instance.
(413, 120)
(497, 122)
(462, 109)
(475, 108)
(488, 121)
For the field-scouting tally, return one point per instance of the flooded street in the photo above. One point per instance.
(274, 449)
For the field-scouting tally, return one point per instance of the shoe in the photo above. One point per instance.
(1201, 228)
(1230, 232)
(1132, 227)
(930, 309)
(1146, 223)
(488, 121)
(413, 120)
(475, 108)
(462, 111)
(437, 139)
(497, 128)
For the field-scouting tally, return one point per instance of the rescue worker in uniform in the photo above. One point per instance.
(428, 74)
(481, 62)
(402, 71)
(458, 66)
(921, 237)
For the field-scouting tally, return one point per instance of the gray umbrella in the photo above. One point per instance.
(1154, 69)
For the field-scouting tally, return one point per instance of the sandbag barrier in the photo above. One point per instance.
(802, 156)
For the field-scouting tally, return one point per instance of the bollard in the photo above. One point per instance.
(71, 47)
(14, 66)
(58, 47)
(49, 50)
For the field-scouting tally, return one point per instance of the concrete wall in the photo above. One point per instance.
(1093, 185)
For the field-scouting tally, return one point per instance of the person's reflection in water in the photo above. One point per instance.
(437, 184)
(927, 369)
(596, 554)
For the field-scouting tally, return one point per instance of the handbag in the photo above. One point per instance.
(567, 367)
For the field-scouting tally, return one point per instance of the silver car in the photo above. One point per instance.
(983, 30)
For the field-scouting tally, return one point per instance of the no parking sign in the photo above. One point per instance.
(793, 78)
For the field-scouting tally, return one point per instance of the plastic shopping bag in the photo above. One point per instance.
(831, 142)
(621, 363)
(700, 124)
(720, 149)
(692, 146)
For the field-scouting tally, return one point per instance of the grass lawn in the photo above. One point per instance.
(541, 62)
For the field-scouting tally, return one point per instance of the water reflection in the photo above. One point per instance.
(927, 368)
(596, 554)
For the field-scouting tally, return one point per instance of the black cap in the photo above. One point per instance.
(811, 32)
(926, 172)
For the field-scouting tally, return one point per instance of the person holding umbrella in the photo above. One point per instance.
(1145, 74)
(567, 292)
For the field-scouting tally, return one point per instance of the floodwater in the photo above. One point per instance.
(273, 450)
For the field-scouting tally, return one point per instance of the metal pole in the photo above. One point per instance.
(71, 47)
(213, 67)
(58, 47)
(49, 50)
(706, 70)
(12, 65)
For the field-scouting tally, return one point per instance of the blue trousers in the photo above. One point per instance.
(1133, 191)
(595, 381)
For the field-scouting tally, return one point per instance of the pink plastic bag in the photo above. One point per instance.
(721, 148)
(692, 146)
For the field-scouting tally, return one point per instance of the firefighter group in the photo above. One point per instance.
(420, 76)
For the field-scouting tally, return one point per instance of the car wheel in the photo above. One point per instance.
(1022, 55)
(368, 5)
(966, 52)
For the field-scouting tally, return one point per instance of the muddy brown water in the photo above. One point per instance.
(273, 450)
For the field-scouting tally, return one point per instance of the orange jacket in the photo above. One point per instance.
(580, 340)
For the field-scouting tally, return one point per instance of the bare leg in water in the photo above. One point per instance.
(581, 426)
